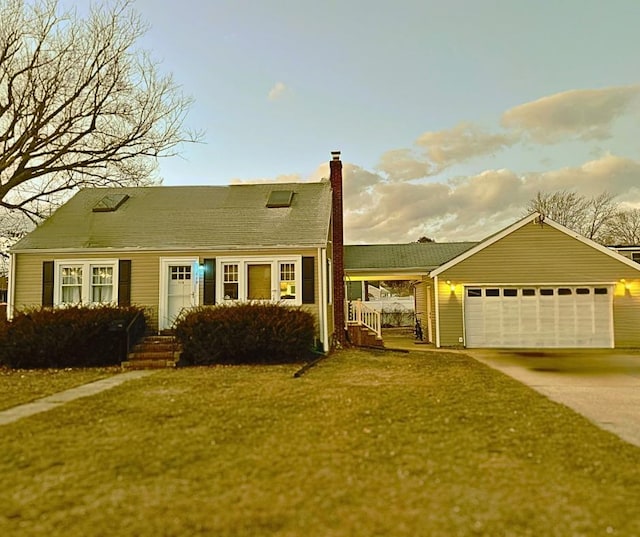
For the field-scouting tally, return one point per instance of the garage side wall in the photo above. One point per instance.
(538, 254)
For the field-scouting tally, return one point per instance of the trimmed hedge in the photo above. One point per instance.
(246, 333)
(66, 337)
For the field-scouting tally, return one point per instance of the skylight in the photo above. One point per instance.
(280, 198)
(110, 203)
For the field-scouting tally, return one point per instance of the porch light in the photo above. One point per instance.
(452, 286)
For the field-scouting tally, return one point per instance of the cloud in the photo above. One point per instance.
(435, 151)
(585, 114)
(464, 141)
(277, 91)
(472, 207)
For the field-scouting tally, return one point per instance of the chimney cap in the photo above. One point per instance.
(335, 155)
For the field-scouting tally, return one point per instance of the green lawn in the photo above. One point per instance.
(365, 444)
(19, 386)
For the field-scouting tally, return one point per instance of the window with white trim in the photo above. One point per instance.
(230, 281)
(85, 282)
(287, 281)
(260, 278)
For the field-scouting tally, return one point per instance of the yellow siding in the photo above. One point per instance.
(534, 255)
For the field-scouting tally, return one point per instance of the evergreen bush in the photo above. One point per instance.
(246, 333)
(76, 336)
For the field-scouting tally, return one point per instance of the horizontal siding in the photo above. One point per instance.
(542, 254)
(626, 314)
(145, 275)
(450, 315)
(536, 254)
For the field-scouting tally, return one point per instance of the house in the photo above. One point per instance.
(535, 284)
(632, 251)
(171, 248)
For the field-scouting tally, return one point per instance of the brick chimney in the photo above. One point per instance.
(338, 248)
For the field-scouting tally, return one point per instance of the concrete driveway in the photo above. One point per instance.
(602, 385)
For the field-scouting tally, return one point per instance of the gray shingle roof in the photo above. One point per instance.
(402, 257)
(176, 217)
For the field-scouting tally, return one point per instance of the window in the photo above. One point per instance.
(230, 281)
(101, 285)
(528, 292)
(635, 256)
(287, 281)
(180, 273)
(85, 282)
(546, 292)
(71, 285)
(492, 292)
(258, 278)
(509, 292)
(600, 291)
(564, 291)
(472, 292)
(582, 291)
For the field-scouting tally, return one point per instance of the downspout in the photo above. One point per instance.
(11, 288)
(436, 298)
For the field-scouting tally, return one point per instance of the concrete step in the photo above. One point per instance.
(153, 352)
(148, 364)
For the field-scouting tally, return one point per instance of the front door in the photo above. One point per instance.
(178, 288)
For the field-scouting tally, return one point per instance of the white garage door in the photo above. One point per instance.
(549, 316)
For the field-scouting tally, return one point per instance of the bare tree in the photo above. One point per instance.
(587, 216)
(624, 228)
(80, 105)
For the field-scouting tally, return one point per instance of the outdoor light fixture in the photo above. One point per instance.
(452, 286)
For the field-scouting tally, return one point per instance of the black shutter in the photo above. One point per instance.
(47, 284)
(308, 280)
(209, 297)
(124, 282)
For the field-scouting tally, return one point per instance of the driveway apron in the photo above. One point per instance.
(602, 385)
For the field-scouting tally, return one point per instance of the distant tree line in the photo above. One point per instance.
(598, 218)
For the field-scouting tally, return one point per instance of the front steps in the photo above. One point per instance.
(361, 336)
(154, 352)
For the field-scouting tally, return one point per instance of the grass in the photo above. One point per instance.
(364, 444)
(19, 386)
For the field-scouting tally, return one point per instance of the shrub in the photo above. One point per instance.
(246, 333)
(67, 337)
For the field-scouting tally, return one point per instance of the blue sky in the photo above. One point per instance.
(450, 115)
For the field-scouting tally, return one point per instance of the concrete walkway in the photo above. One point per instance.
(602, 385)
(52, 401)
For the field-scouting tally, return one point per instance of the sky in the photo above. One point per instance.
(450, 114)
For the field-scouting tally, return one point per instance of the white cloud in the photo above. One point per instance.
(435, 151)
(277, 91)
(586, 114)
(472, 207)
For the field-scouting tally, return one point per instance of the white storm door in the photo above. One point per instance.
(178, 282)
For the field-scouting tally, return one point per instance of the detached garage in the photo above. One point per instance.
(537, 284)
